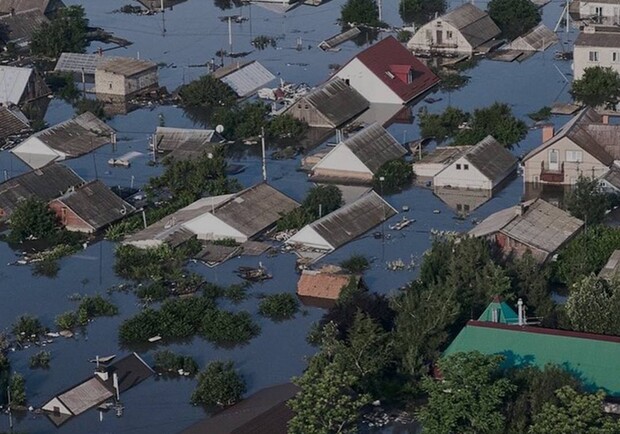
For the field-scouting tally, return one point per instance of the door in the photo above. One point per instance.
(554, 157)
(439, 37)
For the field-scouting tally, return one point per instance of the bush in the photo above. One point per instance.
(167, 361)
(598, 86)
(218, 384)
(67, 320)
(33, 219)
(157, 291)
(93, 307)
(396, 175)
(40, 360)
(420, 11)
(441, 126)
(541, 115)
(360, 12)
(207, 91)
(93, 106)
(227, 328)
(319, 201)
(279, 307)
(356, 264)
(496, 120)
(237, 293)
(28, 328)
(17, 384)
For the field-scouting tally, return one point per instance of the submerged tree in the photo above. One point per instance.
(65, 33)
(218, 384)
(420, 12)
(360, 12)
(514, 17)
(587, 201)
(597, 87)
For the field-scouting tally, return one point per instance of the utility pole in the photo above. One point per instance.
(262, 136)
(230, 45)
(380, 6)
(8, 393)
(163, 18)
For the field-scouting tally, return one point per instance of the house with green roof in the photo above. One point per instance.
(593, 358)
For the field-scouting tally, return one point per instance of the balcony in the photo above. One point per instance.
(551, 176)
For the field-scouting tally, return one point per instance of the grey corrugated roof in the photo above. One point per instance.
(24, 5)
(374, 146)
(75, 137)
(538, 39)
(598, 39)
(474, 24)
(19, 27)
(75, 62)
(443, 155)
(85, 395)
(12, 122)
(125, 66)
(245, 79)
(168, 139)
(340, 38)
(255, 209)
(491, 158)
(337, 101)
(13, 82)
(96, 204)
(349, 222)
(45, 184)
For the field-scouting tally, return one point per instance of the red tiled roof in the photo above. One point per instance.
(321, 285)
(389, 55)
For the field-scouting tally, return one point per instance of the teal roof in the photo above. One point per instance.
(592, 358)
(499, 311)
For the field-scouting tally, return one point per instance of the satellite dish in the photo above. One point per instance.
(219, 129)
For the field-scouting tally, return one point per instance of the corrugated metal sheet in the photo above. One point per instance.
(374, 147)
(248, 79)
(598, 39)
(491, 158)
(538, 39)
(464, 15)
(474, 24)
(25, 5)
(168, 139)
(613, 176)
(19, 27)
(340, 38)
(76, 62)
(337, 101)
(13, 83)
(12, 122)
(315, 283)
(85, 396)
(125, 66)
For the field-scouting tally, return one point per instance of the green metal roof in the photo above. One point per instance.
(499, 311)
(595, 359)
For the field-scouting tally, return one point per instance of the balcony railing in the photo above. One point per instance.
(551, 176)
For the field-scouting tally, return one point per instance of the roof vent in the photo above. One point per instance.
(389, 74)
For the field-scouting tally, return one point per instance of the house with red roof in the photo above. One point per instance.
(387, 73)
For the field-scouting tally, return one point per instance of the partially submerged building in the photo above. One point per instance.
(596, 47)
(244, 78)
(18, 27)
(44, 184)
(538, 39)
(387, 73)
(240, 216)
(464, 30)
(106, 385)
(330, 105)
(340, 227)
(125, 77)
(19, 86)
(68, 139)
(434, 162)
(590, 357)
(535, 226)
(597, 12)
(81, 65)
(184, 143)
(89, 208)
(13, 124)
(585, 146)
(324, 284)
(358, 158)
(47, 7)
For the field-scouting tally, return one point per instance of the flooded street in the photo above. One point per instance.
(193, 34)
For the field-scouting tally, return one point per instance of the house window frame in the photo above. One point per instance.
(593, 56)
(458, 166)
(615, 57)
(449, 34)
(465, 166)
(574, 156)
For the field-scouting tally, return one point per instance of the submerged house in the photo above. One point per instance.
(69, 139)
(320, 287)
(535, 226)
(89, 208)
(340, 227)
(125, 77)
(244, 78)
(538, 39)
(358, 158)
(107, 384)
(44, 184)
(328, 106)
(19, 86)
(387, 73)
(47, 7)
(81, 65)
(184, 143)
(499, 330)
(239, 216)
(434, 162)
(18, 27)
(13, 124)
(483, 166)
(586, 146)
(464, 30)
(596, 47)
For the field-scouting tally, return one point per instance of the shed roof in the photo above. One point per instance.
(387, 55)
(244, 78)
(85, 395)
(45, 184)
(168, 139)
(350, 221)
(374, 146)
(321, 284)
(536, 223)
(125, 66)
(12, 122)
(96, 204)
(590, 356)
(76, 62)
(264, 412)
(74, 137)
(475, 25)
(337, 101)
(538, 39)
(19, 27)
(491, 158)
(13, 83)
(611, 268)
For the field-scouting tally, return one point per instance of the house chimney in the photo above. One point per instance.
(605, 119)
(521, 312)
(520, 209)
(547, 132)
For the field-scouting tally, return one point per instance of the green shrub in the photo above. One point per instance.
(227, 328)
(40, 360)
(28, 328)
(279, 307)
(218, 384)
(396, 175)
(95, 306)
(67, 320)
(167, 361)
(356, 264)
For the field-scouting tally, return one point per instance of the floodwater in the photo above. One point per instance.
(193, 33)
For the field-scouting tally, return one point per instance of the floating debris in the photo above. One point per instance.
(155, 338)
(253, 274)
(401, 224)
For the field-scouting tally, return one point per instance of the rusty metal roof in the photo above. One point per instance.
(320, 284)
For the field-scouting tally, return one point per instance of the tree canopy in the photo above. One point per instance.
(65, 33)
(396, 175)
(599, 86)
(33, 219)
(592, 306)
(420, 12)
(514, 17)
(207, 91)
(587, 201)
(360, 12)
(218, 384)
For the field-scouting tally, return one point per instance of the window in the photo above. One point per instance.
(466, 208)
(459, 207)
(438, 23)
(574, 156)
(458, 167)
(615, 57)
(465, 166)
(593, 56)
(448, 34)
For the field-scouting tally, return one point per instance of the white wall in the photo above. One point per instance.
(428, 170)
(581, 59)
(55, 402)
(425, 39)
(609, 11)
(461, 178)
(342, 158)
(368, 84)
(310, 238)
(209, 227)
